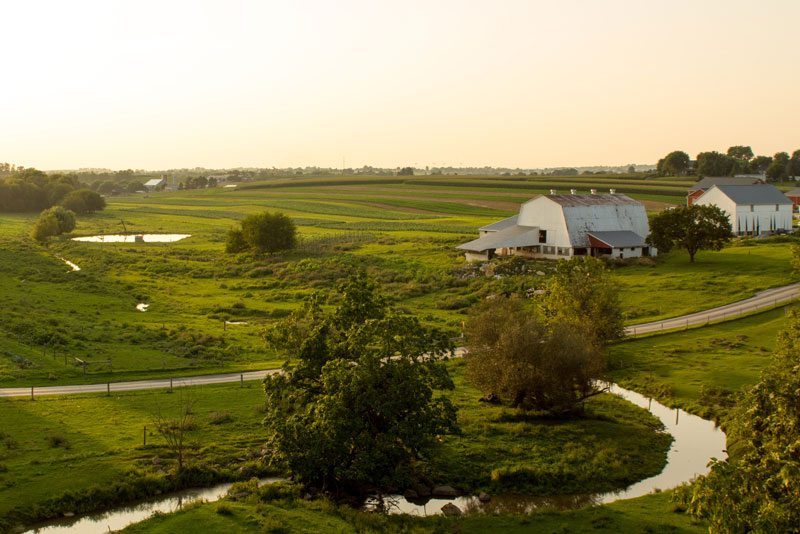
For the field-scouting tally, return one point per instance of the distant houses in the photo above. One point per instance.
(751, 209)
(703, 185)
(562, 226)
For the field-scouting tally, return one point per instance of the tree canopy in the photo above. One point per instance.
(582, 291)
(262, 232)
(674, 164)
(692, 228)
(512, 354)
(358, 407)
(33, 190)
(83, 201)
(52, 222)
(757, 489)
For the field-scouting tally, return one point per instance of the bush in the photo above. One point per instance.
(58, 440)
(217, 418)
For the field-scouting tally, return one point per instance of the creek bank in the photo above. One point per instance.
(696, 441)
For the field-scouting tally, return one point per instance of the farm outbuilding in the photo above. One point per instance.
(561, 226)
(751, 209)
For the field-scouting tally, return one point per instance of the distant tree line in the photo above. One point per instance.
(739, 159)
(33, 190)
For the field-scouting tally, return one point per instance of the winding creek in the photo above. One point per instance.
(696, 442)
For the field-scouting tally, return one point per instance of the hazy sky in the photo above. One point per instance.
(167, 84)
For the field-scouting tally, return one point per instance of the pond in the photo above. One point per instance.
(696, 442)
(132, 238)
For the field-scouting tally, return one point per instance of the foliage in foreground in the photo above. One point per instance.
(758, 488)
(358, 409)
(53, 221)
(513, 355)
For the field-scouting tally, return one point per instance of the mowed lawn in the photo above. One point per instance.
(700, 369)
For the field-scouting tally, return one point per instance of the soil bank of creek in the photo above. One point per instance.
(696, 442)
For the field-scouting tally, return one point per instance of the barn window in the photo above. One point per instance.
(542, 236)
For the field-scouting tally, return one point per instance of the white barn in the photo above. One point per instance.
(751, 209)
(154, 183)
(561, 226)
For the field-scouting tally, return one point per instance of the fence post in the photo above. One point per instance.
(144, 436)
(108, 389)
(31, 392)
(170, 384)
(241, 380)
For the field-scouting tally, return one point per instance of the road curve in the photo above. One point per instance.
(762, 300)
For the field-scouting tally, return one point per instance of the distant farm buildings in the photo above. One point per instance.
(751, 209)
(706, 183)
(562, 226)
(155, 183)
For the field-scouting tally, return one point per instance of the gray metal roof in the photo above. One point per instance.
(619, 238)
(754, 194)
(606, 199)
(708, 181)
(794, 192)
(514, 236)
(500, 225)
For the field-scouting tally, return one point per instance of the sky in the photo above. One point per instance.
(219, 84)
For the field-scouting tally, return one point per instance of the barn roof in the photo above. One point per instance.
(708, 181)
(154, 182)
(619, 239)
(500, 225)
(615, 199)
(514, 236)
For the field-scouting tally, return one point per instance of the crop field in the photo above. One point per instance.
(402, 232)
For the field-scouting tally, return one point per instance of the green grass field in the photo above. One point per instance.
(700, 369)
(404, 234)
(648, 514)
(55, 445)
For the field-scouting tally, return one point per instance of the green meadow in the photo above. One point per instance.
(207, 310)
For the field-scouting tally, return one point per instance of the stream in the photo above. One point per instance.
(132, 238)
(696, 442)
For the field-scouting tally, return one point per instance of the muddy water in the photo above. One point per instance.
(120, 518)
(133, 238)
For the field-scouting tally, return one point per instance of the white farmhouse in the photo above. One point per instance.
(561, 226)
(751, 209)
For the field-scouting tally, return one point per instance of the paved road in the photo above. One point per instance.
(762, 300)
(116, 387)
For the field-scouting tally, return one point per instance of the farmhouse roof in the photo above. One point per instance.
(513, 236)
(754, 194)
(500, 225)
(708, 181)
(619, 239)
(794, 192)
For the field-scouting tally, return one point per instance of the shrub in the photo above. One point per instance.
(217, 418)
(58, 440)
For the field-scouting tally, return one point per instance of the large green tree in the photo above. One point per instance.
(675, 163)
(692, 228)
(83, 201)
(513, 355)
(359, 406)
(757, 489)
(715, 164)
(583, 291)
(740, 152)
(51, 222)
(263, 232)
